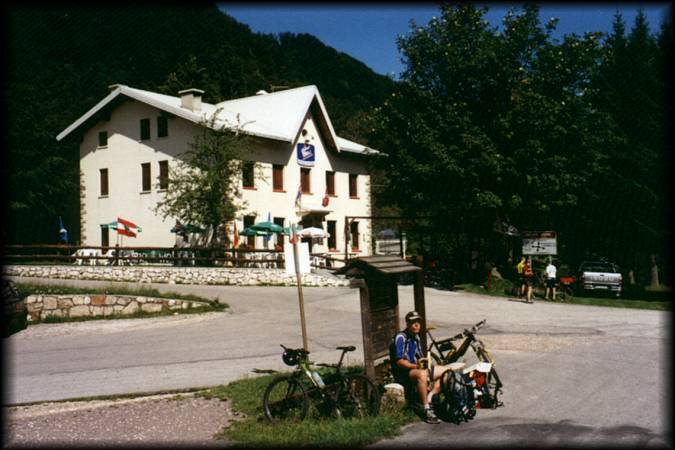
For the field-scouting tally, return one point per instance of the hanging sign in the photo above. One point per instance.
(306, 154)
(539, 243)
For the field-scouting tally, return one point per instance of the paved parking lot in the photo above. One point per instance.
(573, 375)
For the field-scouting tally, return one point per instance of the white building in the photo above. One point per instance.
(131, 137)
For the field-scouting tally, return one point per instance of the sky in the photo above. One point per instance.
(368, 32)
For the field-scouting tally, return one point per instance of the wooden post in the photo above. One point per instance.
(400, 241)
(298, 277)
(368, 357)
(420, 308)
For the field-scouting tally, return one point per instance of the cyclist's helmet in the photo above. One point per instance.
(412, 316)
(290, 357)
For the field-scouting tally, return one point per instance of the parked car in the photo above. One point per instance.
(599, 276)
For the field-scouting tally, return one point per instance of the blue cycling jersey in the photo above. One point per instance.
(406, 346)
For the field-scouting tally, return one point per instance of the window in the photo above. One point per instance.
(332, 237)
(145, 169)
(304, 181)
(102, 138)
(247, 175)
(354, 230)
(145, 129)
(353, 193)
(105, 238)
(250, 240)
(278, 177)
(330, 183)
(104, 182)
(162, 126)
(163, 174)
(280, 237)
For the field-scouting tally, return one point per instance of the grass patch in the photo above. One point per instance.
(255, 431)
(498, 290)
(26, 289)
(136, 315)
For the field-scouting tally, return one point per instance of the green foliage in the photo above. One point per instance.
(254, 430)
(204, 187)
(26, 289)
(495, 126)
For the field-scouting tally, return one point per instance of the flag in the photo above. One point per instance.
(298, 197)
(127, 228)
(235, 244)
(62, 231)
(325, 200)
(266, 238)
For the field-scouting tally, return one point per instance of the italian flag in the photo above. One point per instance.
(127, 228)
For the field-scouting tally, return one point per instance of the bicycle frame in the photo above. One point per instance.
(454, 353)
(328, 392)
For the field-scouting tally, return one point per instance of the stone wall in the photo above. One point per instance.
(176, 275)
(81, 305)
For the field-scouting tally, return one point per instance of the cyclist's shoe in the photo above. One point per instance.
(430, 417)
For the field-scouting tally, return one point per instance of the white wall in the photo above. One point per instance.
(125, 153)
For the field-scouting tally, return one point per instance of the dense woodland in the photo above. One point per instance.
(490, 129)
(486, 128)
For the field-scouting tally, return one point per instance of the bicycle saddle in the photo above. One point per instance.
(349, 348)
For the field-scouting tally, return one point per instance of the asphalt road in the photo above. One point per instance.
(573, 375)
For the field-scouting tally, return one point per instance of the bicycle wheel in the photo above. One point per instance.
(455, 402)
(567, 293)
(285, 399)
(359, 397)
(492, 389)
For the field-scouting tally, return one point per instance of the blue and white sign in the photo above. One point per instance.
(306, 154)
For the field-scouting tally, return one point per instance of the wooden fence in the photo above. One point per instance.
(164, 256)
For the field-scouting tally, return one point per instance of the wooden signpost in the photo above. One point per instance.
(377, 280)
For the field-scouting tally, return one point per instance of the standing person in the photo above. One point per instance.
(550, 279)
(528, 276)
(411, 369)
(521, 278)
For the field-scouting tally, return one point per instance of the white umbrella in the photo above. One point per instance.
(312, 232)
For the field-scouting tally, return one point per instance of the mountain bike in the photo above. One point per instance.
(341, 395)
(488, 385)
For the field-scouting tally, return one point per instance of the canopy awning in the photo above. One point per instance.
(312, 208)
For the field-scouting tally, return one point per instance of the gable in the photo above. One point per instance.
(278, 116)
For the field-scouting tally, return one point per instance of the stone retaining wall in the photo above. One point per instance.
(176, 275)
(81, 305)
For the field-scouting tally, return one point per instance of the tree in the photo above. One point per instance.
(204, 187)
(488, 127)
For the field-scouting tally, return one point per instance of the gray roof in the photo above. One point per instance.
(277, 115)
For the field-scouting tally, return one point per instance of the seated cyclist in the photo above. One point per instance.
(409, 370)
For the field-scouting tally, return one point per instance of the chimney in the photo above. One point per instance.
(191, 99)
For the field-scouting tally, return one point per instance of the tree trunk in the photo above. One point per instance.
(655, 273)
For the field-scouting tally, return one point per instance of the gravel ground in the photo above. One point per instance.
(164, 420)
